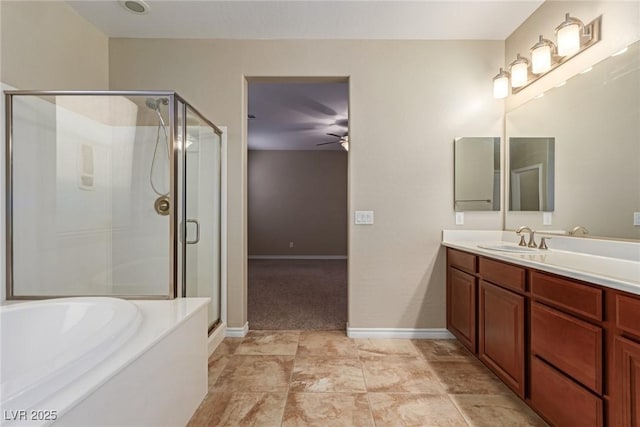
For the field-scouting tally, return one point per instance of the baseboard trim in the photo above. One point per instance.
(297, 257)
(406, 333)
(216, 337)
(238, 332)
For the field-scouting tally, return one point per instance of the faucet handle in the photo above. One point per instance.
(522, 241)
(543, 243)
(532, 240)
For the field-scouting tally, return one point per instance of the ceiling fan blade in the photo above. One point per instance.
(342, 123)
(327, 143)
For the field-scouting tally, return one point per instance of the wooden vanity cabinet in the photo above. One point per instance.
(501, 334)
(462, 297)
(501, 326)
(567, 350)
(625, 366)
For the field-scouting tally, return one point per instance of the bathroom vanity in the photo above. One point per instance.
(563, 337)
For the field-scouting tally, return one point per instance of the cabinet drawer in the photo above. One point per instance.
(560, 400)
(462, 260)
(502, 274)
(571, 345)
(572, 296)
(628, 314)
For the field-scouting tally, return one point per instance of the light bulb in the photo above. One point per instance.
(501, 85)
(541, 56)
(568, 35)
(519, 72)
(568, 40)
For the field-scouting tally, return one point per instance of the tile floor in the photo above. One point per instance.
(323, 378)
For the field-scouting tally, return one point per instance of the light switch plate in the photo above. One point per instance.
(364, 217)
(459, 218)
(636, 218)
(547, 218)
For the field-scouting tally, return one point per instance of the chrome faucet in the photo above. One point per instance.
(532, 237)
(578, 230)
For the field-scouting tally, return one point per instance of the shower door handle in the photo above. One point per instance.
(197, 239)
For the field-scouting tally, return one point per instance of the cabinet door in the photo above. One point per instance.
(627, 378)
(461, 307)
(501, 334)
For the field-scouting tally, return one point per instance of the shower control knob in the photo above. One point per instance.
(162, 205)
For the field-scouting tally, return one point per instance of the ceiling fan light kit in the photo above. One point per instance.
(343, 140)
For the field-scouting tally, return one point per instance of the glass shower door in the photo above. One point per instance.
(202, 212)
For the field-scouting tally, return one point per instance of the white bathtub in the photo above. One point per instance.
(75, 361)
(48, 344)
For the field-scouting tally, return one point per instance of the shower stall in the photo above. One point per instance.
(112, 194)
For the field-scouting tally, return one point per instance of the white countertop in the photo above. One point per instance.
(616, 273)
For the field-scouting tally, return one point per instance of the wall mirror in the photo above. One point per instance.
(476, 174)
(531, 174)
(595, 121)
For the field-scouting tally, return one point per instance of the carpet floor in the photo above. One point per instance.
(297, 294)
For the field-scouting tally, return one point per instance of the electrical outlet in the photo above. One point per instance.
(636, 218)
(364, 217)
(290, 244)
(547, 218)
(459, 218)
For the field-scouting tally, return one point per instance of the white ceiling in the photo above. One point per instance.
(295, 19)
(297, 116)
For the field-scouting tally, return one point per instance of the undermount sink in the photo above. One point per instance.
(505, 247)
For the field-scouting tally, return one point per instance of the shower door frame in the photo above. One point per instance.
(175, 229)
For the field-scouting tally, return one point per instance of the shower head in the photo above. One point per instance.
(154, 103)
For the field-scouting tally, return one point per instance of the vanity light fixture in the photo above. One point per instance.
(541, 55)
(569, 34)
(501, 84)
(572, 37)
(519, 70)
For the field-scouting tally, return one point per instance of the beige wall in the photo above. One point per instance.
(586, 122)
(299, 197)
(620, 28)
(47, 45)
(408, 100)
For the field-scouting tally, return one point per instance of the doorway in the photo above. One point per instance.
(297, 182)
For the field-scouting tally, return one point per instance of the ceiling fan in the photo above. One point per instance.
(343, 140)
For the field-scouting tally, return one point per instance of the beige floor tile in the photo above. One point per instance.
(400, 374)
(282, 343)
(469, 377)
(386, 347)
(326, 343)
(327, 374)
(228, 346)
(255, 374)
(496, 411)
(443, 350)
(327, 409)
(240, 409)
(414, 409)
(217, 363)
